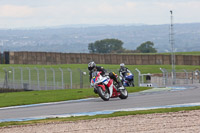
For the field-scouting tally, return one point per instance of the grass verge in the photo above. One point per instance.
(35, 97)
(116, 114)
(142, 68)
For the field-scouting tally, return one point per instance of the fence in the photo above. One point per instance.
(29, 78)
(42, 78)
(181, 77)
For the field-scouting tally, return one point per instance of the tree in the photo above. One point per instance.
(106, 46)
(147, 47)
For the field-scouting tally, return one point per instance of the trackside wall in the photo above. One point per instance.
(52, 58)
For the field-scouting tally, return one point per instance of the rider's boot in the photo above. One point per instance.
(112, 76)
(119, 84)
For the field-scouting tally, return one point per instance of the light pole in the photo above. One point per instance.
(1, 50)
(172, 49)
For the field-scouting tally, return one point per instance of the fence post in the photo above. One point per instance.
(81, 78)
(45, 77)
(21, 77)
(54, 81)
(192, 77)
(70, 76)
(198, 74)
(139, 73)
(62, 77)
(186, 74)
(13, 71)
(38, 77)
(174, 76)
(5, 85)
(29, 77)
(163, 76)
(166, 76)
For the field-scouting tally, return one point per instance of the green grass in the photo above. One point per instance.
(143, 68)
(152, 68)
(76, 73)
(34, 97)
(116, 114)
(66, 74)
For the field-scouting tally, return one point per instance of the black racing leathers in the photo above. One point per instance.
(103, 71)
(122, 71)
(98, 68)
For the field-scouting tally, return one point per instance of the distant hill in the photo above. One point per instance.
(76, 38)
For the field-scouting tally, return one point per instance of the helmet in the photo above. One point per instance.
(122, 65)
(91, 65)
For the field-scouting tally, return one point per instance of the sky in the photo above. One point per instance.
(47, 13)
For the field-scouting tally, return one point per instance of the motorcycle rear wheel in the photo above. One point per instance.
(132, 84)
(103, 94)
(123, 93)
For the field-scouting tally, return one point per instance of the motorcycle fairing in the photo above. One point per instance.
(103, 87)
(109, 83)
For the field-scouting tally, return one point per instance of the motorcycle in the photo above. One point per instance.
(105, 87)
(128, 79)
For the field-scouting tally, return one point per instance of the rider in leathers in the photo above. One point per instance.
(123, 70)
(92, 67)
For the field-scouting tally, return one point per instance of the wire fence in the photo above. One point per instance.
(181, 77)
(45, 78)
(29, 78)
(41, 78)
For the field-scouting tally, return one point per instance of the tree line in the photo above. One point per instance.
(116, 46)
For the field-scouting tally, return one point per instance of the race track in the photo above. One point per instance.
(155, 98)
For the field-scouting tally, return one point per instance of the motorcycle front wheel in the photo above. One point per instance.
(123, 93)
(103, 94)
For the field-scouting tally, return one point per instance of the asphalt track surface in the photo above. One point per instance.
(146, 99)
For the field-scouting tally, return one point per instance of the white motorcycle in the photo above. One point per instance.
(105, 87)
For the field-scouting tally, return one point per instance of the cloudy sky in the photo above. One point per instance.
(39, 13)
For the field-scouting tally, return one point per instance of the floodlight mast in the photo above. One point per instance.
(172, 49)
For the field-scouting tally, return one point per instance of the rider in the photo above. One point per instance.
(123, 70)
(92, 67)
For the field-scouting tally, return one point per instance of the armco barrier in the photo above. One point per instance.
(51, 58)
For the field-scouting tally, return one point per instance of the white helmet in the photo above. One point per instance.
(122, 65)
